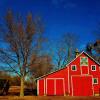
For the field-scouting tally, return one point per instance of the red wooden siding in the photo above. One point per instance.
(82, 86)
(55, 86)
(41, 90)
(61, 75)
(50, 87)
(51, 83)
(85, 69)
(60, 87)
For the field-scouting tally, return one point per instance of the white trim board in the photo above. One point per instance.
(68, 81)
(93, 81)
(95, 68)
(81, 76)
(75, 67)
(55, 84)
(38, 86)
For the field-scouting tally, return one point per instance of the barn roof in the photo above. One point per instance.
(68, 64)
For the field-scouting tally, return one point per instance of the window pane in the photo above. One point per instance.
(95, 80)
(73, 67)
(93, 67)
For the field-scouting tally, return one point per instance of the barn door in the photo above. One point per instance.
(82, 86)
(59, 87)
(41, 87)
(50, 87)
(55, 86)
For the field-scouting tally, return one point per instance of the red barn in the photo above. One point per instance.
(81, 77)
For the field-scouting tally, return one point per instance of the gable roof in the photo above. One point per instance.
(68, 64)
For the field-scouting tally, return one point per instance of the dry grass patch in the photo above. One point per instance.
(47, 98)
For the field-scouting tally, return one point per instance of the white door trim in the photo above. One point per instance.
(55, 84)
(80, 76)
(38, 86)
(68, 81)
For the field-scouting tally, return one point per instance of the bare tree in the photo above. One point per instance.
(65, 49)
(94, 50)
(22, 40)
(42, 65)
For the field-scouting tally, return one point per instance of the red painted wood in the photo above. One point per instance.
(41, 87)
(84, 69)
(50, 87)
(67, 73)
(59, 87)
(82, 86)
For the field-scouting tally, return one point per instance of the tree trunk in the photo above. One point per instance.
(22, 87)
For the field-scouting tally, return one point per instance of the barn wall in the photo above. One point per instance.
(60, 74)
(41, 87)
(95, 74)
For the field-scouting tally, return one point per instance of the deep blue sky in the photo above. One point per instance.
(60, 16)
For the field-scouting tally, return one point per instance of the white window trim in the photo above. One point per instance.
(75, 68)
(80, 61)
(92, 66)
(93, 80)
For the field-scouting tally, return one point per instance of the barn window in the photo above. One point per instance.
(93, 67)
(95, 80)
(73, 68)
(84, 61)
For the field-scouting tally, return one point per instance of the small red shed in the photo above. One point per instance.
(81, 77)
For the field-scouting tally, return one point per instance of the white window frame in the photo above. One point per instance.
(75, 68)
(93, 80)
(80, 61)
(92, 66)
